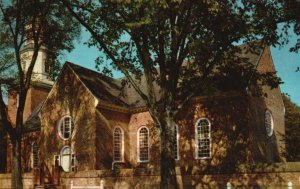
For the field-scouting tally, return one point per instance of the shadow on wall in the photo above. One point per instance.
(69, 98)
(231, 146)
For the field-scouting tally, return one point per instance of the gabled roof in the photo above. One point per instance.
(111, 91)
(251, 51)
(103, 87)
(33, 123)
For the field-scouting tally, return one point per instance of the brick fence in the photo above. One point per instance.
(273, 176)
(5, 181)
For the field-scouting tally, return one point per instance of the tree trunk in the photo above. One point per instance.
(16, 172)
(167, 160)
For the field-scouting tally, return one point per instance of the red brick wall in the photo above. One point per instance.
(27, 140)
(5, 181)
(106, 121)
(229, 133)
(125, 179)
(35, 95)
(138, 120)
(69, 97)
(266, 149)
(274, 103)
(229, 117)
(12, 106)
(267, 176)
(230, 141)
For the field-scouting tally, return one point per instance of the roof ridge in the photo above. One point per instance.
(92, 80)
(91, 70)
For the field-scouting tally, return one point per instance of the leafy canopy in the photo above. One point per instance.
(292, 124)
(178, 45)
(35, 23)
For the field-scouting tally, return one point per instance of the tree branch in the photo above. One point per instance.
(4, 116)
(117, 62)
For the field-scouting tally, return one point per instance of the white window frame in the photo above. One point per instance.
(70, 156)
(177, 142)
(269, 133)
(196, 139)
(61, 124)
(122, 144)
(138, 144)
(73, 162)
(32, 155)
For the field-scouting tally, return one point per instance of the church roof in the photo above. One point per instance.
(33, 123)
(109, 90)
(103, 87)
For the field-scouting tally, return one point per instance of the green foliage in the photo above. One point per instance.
(180, 48)
(32, 25)
(23, 22)
(292, 125)
(178, 45)
(292, 19)
(6, 61)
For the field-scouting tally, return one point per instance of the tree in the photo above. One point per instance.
(7, 78)
(292, 18)
(179, 47)
(292, 125)
(36, 23)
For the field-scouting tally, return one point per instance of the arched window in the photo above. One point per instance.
(176, 143)
(143, 144)
(118, 145)
(203, 139)
(34, 155)
(269, 123)
(65, 158)
(66, 127)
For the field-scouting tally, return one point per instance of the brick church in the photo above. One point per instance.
(90, 126)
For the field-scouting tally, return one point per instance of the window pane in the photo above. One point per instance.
(269, 123)
(66, 151)
(203, 138)
(143, 145)
(118, 143)
(65, 158)
(35, 152)
(66, 127)
(176, 143)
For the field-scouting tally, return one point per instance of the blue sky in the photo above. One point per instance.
(285, 62)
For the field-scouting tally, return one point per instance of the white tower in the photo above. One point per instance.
(41, 71)
(41, 82)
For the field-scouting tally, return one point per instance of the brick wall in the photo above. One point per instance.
(69, 98)
(265, 148)
(27, 140)
(5, 181)
(35, 95)
(262, 176)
